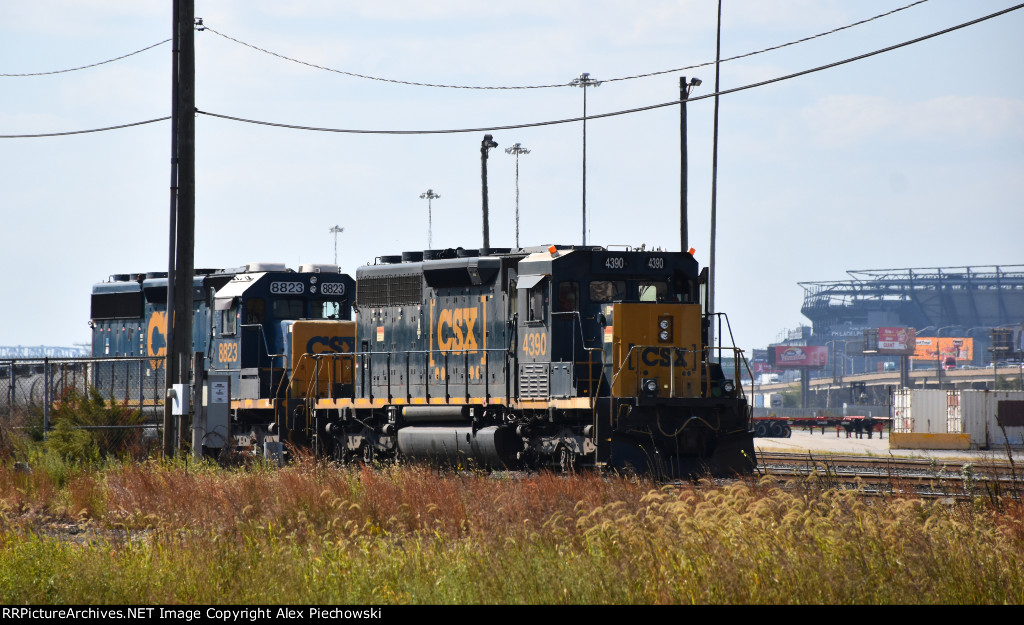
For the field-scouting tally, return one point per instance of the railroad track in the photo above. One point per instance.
(951, 478)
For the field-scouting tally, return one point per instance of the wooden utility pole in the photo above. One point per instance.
(181, 261)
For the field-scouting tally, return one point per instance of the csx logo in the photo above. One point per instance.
(320, 344)
(156, 338)
(456, 329)
(661, 357)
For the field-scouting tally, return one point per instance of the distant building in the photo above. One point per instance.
(42, 351)
(958, 302)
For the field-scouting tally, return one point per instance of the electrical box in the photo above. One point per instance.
(217, 400)
(181, 399)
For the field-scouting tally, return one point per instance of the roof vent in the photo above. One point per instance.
(258, 267)
(319, 268)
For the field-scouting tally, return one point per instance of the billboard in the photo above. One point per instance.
(959, 349)
(896, 340)
(800, 356)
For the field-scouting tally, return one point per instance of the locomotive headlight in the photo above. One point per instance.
(728, 386)
(665, 329)
(650, 386)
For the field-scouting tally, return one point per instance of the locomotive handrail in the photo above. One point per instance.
(578, 325)
(737, 354)
(270, 358)
(672, 373)
(705, 366)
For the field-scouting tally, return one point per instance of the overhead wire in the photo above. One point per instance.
(75, 69)
(422, 84)
(81, 132)
(564, 84)
(626, 111)
(551, 122)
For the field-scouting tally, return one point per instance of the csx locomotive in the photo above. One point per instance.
(560, 356)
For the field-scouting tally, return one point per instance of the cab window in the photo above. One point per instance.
(329, 309)
(289, 308)
(255, 311)
(229, 319)
(538, 302)
(568, 296)
(607, 290)
(653, 291)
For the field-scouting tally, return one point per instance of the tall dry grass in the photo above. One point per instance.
(311, 533)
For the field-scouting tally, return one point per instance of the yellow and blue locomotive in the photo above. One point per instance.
(253, 324)
(556, 356)
(559, 356)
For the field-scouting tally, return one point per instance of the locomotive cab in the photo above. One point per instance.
(621, 334)
(268, 321)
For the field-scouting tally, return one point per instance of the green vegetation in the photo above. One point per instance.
(157, 532)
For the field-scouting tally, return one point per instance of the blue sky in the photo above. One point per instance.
(911, 158)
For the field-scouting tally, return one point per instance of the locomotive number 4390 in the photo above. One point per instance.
(535, 344)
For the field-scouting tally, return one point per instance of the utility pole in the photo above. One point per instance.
(429, 196)
(712, 270)
(517, 149)
(181, 262)
(684, 225)
(584, 80)
(485, 146)
(336, 230)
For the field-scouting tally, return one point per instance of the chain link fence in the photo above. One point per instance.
(119, 401)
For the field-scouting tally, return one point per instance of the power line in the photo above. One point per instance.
(550, 86)
(81, 132)
(419, 84)
(75, 69)
(552, 122)
(626, 111)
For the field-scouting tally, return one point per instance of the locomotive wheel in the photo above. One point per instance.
(760, 430)
(340, 453)
(566, 459)
(368, 454)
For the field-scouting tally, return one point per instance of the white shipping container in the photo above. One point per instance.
(926, 411)
(980, 409)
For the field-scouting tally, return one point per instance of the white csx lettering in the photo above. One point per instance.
(455, 329)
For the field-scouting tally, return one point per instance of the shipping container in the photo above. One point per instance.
(926, 411)
(981, 411)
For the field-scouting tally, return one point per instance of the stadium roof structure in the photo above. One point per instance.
(957, 298)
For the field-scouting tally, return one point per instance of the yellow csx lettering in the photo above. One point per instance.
(455, 329)
(227, 352)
